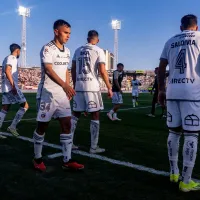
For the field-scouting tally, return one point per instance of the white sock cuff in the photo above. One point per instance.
(74, 118)
(37, 137)
(66, 137)
(95, 121)
(3, 111)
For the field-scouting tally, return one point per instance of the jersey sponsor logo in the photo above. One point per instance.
(84, 79)
(181, 80)
(60, 63)
(183, 43)
(63, 56)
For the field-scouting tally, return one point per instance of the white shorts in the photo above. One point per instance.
(184, 114)
(49, 108)
(10, 98)
(117, 98)
(87, 101)
(135, 93)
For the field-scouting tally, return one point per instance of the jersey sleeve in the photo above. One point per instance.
(164, 54)
(102, 57)
(46, 55)
(11, 60)
(116, 75)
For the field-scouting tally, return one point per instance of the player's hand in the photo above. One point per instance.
(14, 90)
(162, 98)
(70, 92)
(110, 93)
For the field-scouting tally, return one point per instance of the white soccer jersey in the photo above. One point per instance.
(183, 54)
(135, 84)
(12, 61)
(87, 60)
(59, 59)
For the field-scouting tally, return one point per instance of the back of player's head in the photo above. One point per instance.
(189, 21)
(134, 75)
(120, 65)
(14, 47)
(93, 35)
(60, 22)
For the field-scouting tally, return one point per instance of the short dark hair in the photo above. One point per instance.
(189, 21)
(60, 22)
(13, 47)
(93, 33)
(120, 64)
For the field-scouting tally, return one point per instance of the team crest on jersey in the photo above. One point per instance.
(191, 120)
(92, 104)
(43, 115)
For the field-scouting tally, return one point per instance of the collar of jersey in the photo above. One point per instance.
(61, 50)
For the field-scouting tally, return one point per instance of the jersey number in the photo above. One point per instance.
(180, 61)
(84, 65)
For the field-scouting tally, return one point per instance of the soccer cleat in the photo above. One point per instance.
(2, 137)
(110, 116)
(150, 115)
(73, 165)
(13, 131)
(191, 186)
(174, 178)
(116, 119)
(74, 147)
(97, 150)
(39, 165)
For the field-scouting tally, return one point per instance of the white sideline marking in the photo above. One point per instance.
(29, 119)
(103, 158)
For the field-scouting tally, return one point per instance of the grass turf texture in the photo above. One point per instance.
(137, 139)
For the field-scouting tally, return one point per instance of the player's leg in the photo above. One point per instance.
(153, 105)
(3, 113)
(44, 115)
(133, 99)
(117, 101)
(94, 104)
(175, 130)
(66, 136)
(136, 98)
(79, 106)
(190, 112)
(19, 98)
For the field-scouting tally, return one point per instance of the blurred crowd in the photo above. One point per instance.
(29, 78)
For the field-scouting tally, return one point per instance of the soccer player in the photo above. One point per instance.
(117, 99)
(88, 61)
(181, 53)
(54, 93)
(135, 91)
(11, 93)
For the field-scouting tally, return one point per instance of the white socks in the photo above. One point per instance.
(189, 155)
(2, 117)
(38, 141)
(74, 121)
(173, 150)
(18, 117)
(66, 142)
(134, 101)
(94, 130)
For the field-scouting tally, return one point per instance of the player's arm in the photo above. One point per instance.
(67, 77)
(8, 73)
(102, 70)
(162, 74)
(73, 71)
(116, 81)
